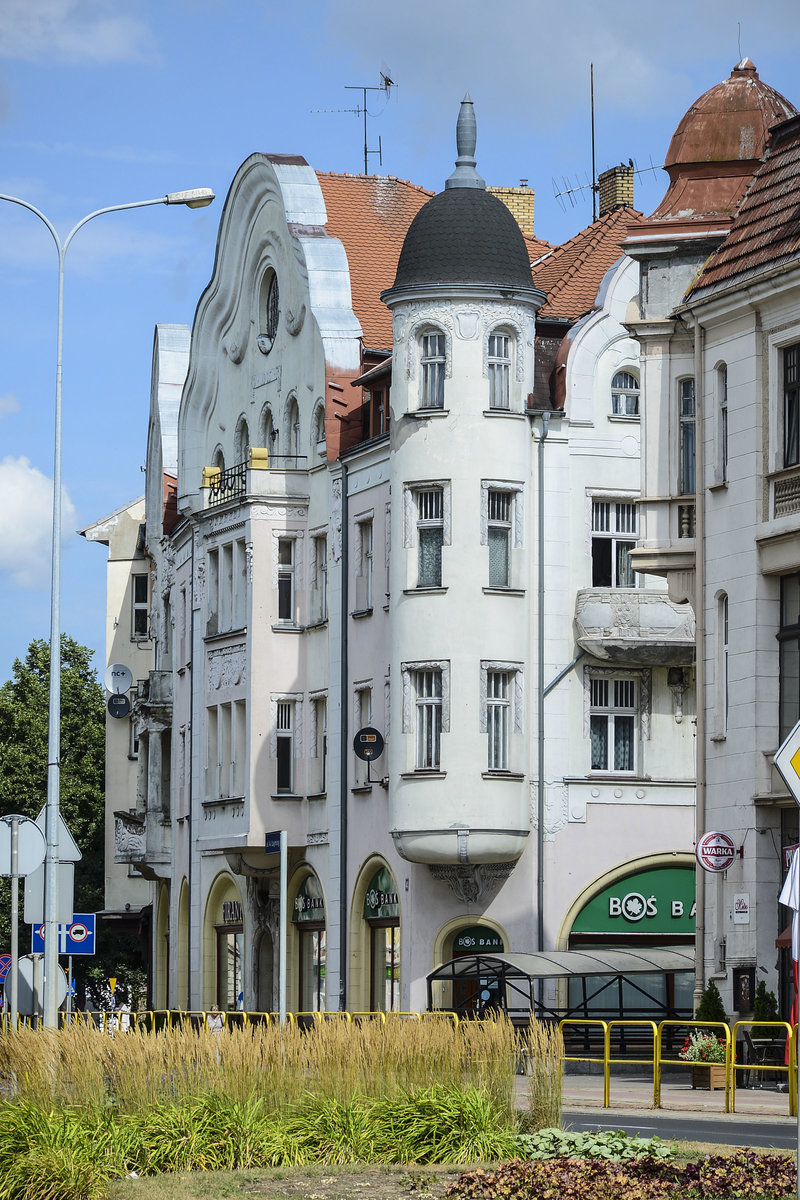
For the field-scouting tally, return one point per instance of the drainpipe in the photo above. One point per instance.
(344, 753)
(189, 873)
(699, 613)
(545, 415)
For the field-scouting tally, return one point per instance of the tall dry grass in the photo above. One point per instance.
(543, 1058)
(136, 1070)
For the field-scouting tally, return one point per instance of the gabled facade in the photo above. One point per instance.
(413, 518)
(718, 323)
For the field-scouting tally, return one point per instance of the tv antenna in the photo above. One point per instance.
(386, 85)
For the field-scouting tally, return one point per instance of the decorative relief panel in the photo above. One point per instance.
(129, 837)
(227, 667)
(336, 519)
(408, 670)
(470, 883)
(556, 808)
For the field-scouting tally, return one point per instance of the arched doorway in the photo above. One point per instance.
(162, 956)
(308, 924)
(223, 946)
(381, 913)
(265, 968)
(474, 997)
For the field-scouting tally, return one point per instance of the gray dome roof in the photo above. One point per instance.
(464, 235)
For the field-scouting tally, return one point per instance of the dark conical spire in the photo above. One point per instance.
(465, 175)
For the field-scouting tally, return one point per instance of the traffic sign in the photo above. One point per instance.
(787, 760)
(30, 845)
(5, 963)
(74, 937)
(715, 851)
(34, 893)
(67, 846)
(31, 983)
(272, 842)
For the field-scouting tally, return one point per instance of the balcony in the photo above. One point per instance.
(628, 625)
(247, 478)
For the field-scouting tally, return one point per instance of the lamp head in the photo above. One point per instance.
(193, 198)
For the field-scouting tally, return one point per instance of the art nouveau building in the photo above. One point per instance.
(718, 323)
(415, 515)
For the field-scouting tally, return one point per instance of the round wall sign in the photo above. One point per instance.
(715, 851)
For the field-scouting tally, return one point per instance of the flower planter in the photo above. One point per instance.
(710, 1076)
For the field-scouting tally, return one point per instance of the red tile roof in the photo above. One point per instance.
(571, 274)
(766, 230)
(370, 214)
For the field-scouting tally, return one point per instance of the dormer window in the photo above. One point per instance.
(432, 362)
(499, 368)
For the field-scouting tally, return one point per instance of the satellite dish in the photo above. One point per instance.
(118, 679)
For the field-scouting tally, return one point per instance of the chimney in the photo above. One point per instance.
(615, 188)
(519, 202)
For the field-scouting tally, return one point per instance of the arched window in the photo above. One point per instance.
(219, 459)
(499, 369)
(242, 450)
(267, 432)
(432, 369)
(318, 438)
(686, 437)
(293, 428)
(625, 394)
(269, 311)
(722, 400)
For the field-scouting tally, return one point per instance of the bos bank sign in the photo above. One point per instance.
(659, 902)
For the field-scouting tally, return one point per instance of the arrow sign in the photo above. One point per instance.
(67, 846)
(787, 760)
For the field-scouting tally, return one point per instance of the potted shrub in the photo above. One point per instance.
(706, 1052)
(711, 1007)
(765, 1008)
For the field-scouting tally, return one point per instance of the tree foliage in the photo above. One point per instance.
(23, 773)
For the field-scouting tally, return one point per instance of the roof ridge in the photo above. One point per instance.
(417, 187)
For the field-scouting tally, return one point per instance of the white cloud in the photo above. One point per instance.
(26, 522)
(8, 404)
(75, 31)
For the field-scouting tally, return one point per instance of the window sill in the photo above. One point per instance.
(316, 796)
(720, 486)
(424, 774)
(718, 737)
(422, 413)
(221, 801)
(320, 624)
(286, 796)
(625, 420)
(287, 627)
(503, 591)
(616, 776)
(515, 776)
(140, 637)
(504, 412)
(425, 591)
(359, 613)
(361, 789)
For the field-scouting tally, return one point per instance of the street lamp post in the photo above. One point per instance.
(194, 198)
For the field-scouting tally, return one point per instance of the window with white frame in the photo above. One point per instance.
(723, 657)
(499, 370)
(498, 719)
(362, 717)
(498, 534)
(319, 573)
(625, 394)
(432, 368)
(791, 405)
(139, 606)
(722, 399)
(686, 437)
(614, 532)
(613, 721)
(430, 536)
(789, 655)
(285, 724)
(364, 564)
(286, 579)
(427, 685)
(318, 781)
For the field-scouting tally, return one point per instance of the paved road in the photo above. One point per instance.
(733, 1130)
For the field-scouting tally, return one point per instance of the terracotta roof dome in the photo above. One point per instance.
(717, 146)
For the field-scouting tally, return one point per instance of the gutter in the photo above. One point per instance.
(343, 750)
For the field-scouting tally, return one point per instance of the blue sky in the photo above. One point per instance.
(109, 102)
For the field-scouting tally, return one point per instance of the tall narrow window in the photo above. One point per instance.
(499, 538)
(722, 385)
(319, 547)
(428, 698)
(430, 537)
(286, 579)
(789, 655)
(285, 746)
(723, 622)
(686, 437)
(499, 365)
(498, 723)
(613, 720)
(364, 564)
(432, 362)
(319, 774)
(614, 532)
(791, 405)
(625, 394)
(139, 606)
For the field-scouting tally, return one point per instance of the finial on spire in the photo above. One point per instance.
(465, 174)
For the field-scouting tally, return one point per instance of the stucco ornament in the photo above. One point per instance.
(227, 667)
(556, 809)
(471, 882)
(129, 837)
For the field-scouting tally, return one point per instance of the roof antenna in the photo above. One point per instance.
(386, 84)
(739, 36)
(594, 169)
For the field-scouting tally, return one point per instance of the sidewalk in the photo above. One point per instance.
(677, 1095)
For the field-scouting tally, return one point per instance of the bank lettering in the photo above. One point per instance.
(634, 907)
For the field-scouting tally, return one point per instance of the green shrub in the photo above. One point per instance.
(711, 1007)
(616, 1146)
(765, 1008)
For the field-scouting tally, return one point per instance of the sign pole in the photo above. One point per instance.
(13, 993)
(284, 885)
